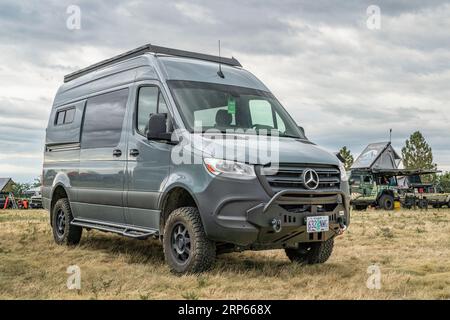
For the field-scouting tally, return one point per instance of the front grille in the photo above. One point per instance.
(289, 177)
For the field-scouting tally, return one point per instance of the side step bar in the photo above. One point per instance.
(126, 231)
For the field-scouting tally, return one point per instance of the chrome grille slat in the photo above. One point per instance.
(290, 177)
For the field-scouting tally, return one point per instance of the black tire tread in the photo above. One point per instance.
(204, 251)
(72, 234)
(383, 199)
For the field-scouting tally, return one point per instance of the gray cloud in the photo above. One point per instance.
(345, 84)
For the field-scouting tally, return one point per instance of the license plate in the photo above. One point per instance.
(317, 224)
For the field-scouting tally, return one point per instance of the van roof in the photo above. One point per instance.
(149, 48)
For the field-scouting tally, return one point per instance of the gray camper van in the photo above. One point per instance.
(109, 162)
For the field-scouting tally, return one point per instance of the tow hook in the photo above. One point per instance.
(342, 226)
(276, 225)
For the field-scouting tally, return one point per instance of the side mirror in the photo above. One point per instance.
(157, 127)
(302, 130)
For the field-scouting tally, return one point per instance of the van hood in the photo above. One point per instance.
(261, 150)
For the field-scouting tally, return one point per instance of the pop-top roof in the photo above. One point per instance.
(379, 155)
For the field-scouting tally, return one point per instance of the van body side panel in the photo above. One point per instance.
(100, 186)
(62, 153)
(60, 169)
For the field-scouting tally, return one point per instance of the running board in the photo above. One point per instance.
(122, 230)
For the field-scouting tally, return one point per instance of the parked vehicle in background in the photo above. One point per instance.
(108, 165)
(3, 197)
(371, 182)
(381, 188)
(35, 198)
(36, 202)
(375, 188)
(422, 195)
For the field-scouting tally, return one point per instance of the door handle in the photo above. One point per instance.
(134, 152)
(117, 153)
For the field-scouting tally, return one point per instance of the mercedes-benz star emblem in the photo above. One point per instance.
(310, 179)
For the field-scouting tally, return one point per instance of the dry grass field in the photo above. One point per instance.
(411, 248)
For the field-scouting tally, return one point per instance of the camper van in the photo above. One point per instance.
(119, 144)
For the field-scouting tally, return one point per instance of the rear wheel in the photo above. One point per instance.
(311, 253)
(63, 231)
(423, 204)
(186, 247)
(387, 202)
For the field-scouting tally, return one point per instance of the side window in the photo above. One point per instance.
(280, 124)
(162, 104)
(70, 115)
(103, 120)
(261, 113)
(150, 101)
(368, 179)
(60, 117)
(65, 116)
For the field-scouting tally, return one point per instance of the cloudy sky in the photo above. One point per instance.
(347, 84)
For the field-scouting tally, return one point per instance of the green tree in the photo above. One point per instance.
(444, 181)
(417, 154)
(20, 188)
(36, 183)
(347, 156)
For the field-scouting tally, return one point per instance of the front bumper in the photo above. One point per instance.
(244, 217)
(282, 220)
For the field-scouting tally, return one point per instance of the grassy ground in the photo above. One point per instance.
(411, 248)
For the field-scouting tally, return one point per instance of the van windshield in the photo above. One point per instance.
(205, 106)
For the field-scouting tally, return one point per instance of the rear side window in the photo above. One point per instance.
(65, 116)
(103, 120)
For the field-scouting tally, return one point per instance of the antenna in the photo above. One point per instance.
(220, 73)
(390, 135)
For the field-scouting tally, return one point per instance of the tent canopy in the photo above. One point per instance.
(6, 185)
(379, 155)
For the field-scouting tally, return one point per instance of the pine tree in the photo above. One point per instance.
(417, 154)
(444, 181)
(347, 155)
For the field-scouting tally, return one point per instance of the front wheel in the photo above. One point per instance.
(311, 253)
(186, 247)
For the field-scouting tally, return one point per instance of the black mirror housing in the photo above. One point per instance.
(157, 127)
(302, 130)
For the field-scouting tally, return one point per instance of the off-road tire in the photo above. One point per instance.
(69, 235)
(311, 253)
(423, 204)
(387, 202)
(202, 250)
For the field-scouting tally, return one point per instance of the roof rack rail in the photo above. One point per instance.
(149, 48)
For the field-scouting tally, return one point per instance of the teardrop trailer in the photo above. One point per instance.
(108, 162)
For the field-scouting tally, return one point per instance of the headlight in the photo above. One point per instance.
(230, 169)
(344, 176)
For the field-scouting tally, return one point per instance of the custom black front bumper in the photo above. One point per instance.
(282, 220)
